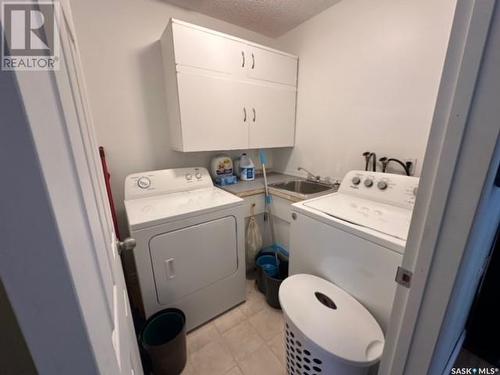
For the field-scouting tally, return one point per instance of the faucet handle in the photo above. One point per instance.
(384, 162)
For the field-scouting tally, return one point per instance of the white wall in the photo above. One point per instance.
(368, 78)
(121, 59)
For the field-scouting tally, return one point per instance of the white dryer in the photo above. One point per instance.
(190, 242)
(356, 237)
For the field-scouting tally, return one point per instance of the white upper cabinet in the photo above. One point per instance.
(206, 124)
(225, 93)
(206, 50)
(272, 112)
(271, 66)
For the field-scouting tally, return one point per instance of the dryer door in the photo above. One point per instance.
(189, 259)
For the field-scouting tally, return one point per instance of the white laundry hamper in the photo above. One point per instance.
(327, 331)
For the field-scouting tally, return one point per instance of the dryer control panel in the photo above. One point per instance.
(165, 181)
(387, 188)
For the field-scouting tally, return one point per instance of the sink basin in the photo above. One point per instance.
(302, 187)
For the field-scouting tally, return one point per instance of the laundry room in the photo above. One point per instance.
(256, 182)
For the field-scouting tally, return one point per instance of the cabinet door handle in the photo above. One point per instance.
(242, 59)
(254, 114)
(244, 114)
(253, 61)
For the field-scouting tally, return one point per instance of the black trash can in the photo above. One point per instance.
(273, 285)
(164, 340)
(265, 263)
(270, 253)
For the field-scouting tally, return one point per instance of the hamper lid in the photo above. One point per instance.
(332, 319)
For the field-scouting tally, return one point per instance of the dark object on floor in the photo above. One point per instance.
(467, 359)
(273, 285)
(266, 264)
(483, 326)
(164, 341)
(269, 251)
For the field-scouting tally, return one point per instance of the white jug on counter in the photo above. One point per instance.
(246, 168)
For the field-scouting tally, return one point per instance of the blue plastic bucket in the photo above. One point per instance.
(272, 250)
(269, 264)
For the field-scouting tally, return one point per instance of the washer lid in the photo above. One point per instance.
(332, 319)
(384, 218)
(149, 211)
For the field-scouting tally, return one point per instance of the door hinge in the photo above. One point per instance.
(403, 277)
(125, 245)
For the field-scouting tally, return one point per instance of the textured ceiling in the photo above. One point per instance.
(269, 17)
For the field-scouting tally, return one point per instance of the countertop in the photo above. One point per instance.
(246, 188)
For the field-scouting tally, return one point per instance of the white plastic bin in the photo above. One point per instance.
(327, 331)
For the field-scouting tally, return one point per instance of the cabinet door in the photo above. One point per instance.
(272, 116)
(213, 116)
(271, 66)
(201, 49)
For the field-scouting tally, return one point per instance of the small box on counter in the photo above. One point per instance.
(225, 180)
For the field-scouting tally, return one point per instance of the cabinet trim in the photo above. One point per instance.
(211, 73)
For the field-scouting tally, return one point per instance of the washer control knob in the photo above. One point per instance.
(356, 180)
(144, 182)
(368, 182)
(198, 175)
(382, 185)
(189, 176)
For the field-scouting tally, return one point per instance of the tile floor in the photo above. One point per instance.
(247, 340)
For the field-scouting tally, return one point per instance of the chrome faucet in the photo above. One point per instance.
(310, 175)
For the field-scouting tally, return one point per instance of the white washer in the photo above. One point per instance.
(356, 237)
(190, 242)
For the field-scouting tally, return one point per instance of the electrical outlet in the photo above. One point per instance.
(413, 165)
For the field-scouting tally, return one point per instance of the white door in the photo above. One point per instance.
(266, 65)
(206, 50)
(213, 114)
(465, 125)
(119, 333)
(271, 116)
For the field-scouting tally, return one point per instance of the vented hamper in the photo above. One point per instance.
(327, 331)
